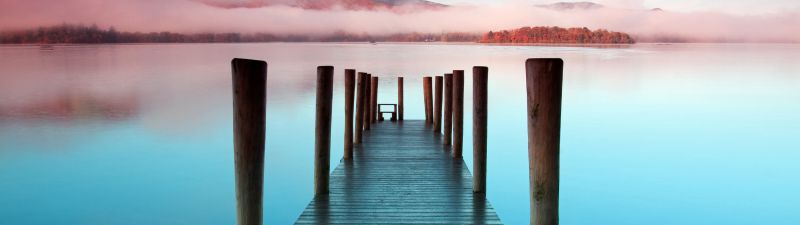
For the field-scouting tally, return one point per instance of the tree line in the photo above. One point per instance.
(81, 34)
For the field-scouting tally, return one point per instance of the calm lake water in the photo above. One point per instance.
(652, 134)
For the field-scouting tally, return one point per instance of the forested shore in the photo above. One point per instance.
(82, 34)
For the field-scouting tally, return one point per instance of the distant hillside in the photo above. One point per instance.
(327, 4)
(80, 34)
(571, 5)
(556, 35)
(566, 6)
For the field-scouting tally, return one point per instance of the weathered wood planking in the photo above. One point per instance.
(400, 174)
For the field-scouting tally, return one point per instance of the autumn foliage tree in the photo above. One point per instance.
(556, 35)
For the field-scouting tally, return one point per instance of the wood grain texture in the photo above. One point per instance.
(544, 83)
(360, 106)
(400, 98)
(249, 123)
(368, 103)
(480, 101)
(400, 175)
(458, 113)
(437, 106)
(374, 104)
(322, 145)
(448, 106)
(427, 94)
(349, 89)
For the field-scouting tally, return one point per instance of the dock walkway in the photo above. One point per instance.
(400, 174)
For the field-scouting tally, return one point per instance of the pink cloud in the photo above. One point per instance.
(192, 16)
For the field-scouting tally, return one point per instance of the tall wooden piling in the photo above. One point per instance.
(361, 89)
(544, 83)
(349, 89)
(480, 95)
(374, 99)
(322, 146)
(437, 106)
(458, 112)
(448, 106)
(249, 122)
(426, 86)
(400, 98)
(368, 102)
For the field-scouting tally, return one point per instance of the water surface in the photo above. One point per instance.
(652, 134)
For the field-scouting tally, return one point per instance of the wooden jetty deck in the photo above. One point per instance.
(400, 174)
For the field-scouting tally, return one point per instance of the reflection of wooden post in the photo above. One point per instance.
(322, 147)
(448, 106)
(360, 106)
(426, 86)
(349, 87)
(480, 94)
(374, 114)
(544, 80)
(458, 112)
(249, 122)
(400, 98)
(368, 102)
(437, 107)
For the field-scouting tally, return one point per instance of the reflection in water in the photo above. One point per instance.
(149, 140)
(72, 106)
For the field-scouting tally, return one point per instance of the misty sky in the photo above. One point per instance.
(730, 6)
(693, 20)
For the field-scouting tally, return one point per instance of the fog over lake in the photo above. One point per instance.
(651, 133)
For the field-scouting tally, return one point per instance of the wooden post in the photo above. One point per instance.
(544, 80)
(322, 146)
(458, 112)
(426, 86)
(349, 89)
(360, 107)
(480, 94)
(368, 102)
(374, 114)
(448, 106)
(400, 98)
(437, 107)
(249, 123)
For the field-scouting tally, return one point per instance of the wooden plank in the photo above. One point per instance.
(400, 174)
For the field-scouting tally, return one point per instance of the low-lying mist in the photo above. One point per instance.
(191, 16)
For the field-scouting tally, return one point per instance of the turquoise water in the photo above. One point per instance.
(652, 134)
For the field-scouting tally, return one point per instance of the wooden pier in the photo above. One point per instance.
(400, 174)
(398, 171)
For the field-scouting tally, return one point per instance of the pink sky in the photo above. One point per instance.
(192, 16)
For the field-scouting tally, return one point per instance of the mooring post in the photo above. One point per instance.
(544, 82)
(437, 107)
(360, 107)
(249, 123)
(448, 106)
(374, 99)
(322, 147)
(480, 95)
(349, 89)
(426, 86)
(400, 98)
(368, 102)
(458, 112)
